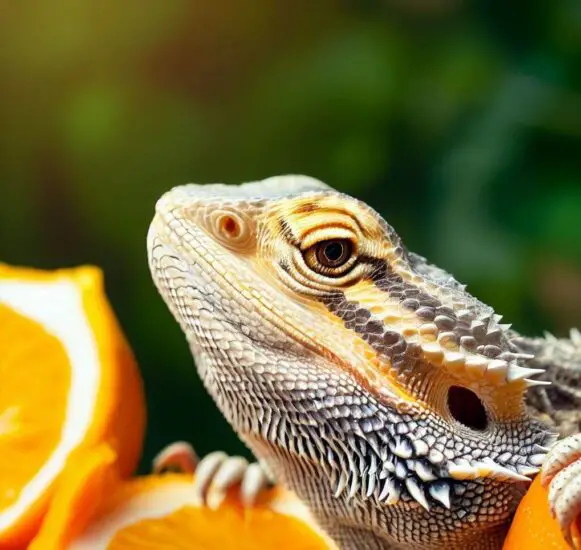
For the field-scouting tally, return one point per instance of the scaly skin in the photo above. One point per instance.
(366, 380)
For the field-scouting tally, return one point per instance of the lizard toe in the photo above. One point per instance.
(255, 481)
(230, 473)
(205, 474)
(563, 453)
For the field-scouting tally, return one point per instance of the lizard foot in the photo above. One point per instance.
(216, 473)
(562, 474)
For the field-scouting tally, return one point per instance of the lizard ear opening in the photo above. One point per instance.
(467, 408)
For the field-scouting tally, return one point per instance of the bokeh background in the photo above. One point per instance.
(459, 121)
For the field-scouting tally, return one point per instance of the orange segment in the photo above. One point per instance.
(159, 512)
(280, 523)
(533, 527)
(69, 381)
(30, 420)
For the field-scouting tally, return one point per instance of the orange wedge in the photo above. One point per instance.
(159, 512)
(533, 527)
(68, 381)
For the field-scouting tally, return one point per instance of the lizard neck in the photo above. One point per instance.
(313, 443)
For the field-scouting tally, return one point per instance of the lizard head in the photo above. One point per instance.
(323, 340)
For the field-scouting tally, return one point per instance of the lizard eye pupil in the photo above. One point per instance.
(334, 253)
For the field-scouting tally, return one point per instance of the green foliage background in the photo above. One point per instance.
(459, 121)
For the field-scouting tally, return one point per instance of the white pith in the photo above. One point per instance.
(58, 307)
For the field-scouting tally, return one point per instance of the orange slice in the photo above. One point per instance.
(533, 527)
(68, 381)
(159, 512)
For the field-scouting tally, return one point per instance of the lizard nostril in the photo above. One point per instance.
(232, 229)
(467, 408)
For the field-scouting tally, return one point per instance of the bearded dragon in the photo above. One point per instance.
(365, 379)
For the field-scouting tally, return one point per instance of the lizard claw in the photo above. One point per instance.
(562, 474)
(177, 457)
(218, 472)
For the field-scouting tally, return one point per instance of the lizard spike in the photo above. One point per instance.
(533, 383)
(524, 356)
(384, 453)
(483, 469)
(373, 466)
(343, 479)
(402, 448)
(528, 470)
(311, 449)
(420, 447)
(320, 447)
(497, 369)
(363, 485)
(575, 336)
(388, 466)
(354, 487)
(371, 481)
(550, 337)
(505, 326)
(497, 317)
(390, 492)
(300, 446)
(440, 491)
(373, 443)
(518, 373)
(400, 470)
(494, 333)
(424, 472)
(417, 492)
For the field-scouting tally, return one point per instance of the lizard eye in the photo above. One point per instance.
(333, 257)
